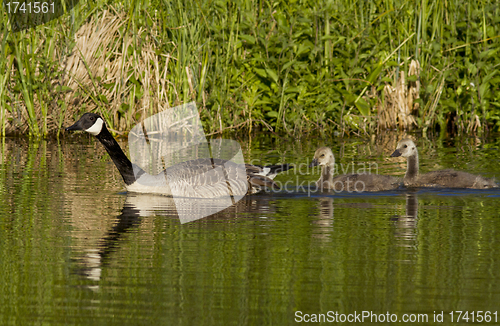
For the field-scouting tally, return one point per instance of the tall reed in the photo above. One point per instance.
(291, 67)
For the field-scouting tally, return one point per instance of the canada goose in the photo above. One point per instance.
(443, 178)
(199, 178)
(348, 182)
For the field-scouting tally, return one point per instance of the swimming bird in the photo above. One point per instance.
(199, 178)
(348, 182)
(443, 178)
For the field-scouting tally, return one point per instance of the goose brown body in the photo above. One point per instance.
(348, 182)
(443, 178)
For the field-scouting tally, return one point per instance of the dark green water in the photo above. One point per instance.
(76, 250)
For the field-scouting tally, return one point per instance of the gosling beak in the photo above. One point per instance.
(396, 153)
(314, 163)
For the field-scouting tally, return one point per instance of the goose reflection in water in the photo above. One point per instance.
(406, 225)
(138, 206)
(324, 222)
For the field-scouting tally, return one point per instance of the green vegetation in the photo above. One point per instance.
(292, 67)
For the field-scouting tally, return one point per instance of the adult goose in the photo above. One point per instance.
(199, 178)
(348, 182)
(443, 178)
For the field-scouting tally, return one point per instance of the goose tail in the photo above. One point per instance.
(278, 168)
(259, 182)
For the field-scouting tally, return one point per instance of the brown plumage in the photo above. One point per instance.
(443, 178)
(348, 182)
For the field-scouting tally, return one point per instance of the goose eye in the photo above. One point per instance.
(91, 118)
(405, 146)
(322, 155)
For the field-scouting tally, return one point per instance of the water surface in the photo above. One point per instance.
(75, 249)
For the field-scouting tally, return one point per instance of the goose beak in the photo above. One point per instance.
(75, 126)
(396, 153)
(314, 163)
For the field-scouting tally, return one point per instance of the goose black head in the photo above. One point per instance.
(89, 122)
(405, 148)
(323, 156)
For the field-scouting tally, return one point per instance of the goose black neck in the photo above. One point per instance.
(121, 160)
(412, 168)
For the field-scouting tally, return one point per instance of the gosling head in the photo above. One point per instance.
(89, 122)
(324, 157)
(405, 148)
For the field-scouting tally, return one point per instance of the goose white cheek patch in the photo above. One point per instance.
(96, 127)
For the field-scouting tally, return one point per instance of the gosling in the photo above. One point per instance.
(348, 182)
(437, 179)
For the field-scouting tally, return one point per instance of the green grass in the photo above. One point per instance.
(301, 67)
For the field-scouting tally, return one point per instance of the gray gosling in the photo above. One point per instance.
(437, 179)
(348, 182)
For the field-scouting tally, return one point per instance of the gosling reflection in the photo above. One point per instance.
(324, 222)
(406, 225)
(139, 206)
